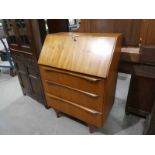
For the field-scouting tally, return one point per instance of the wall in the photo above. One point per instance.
(133, 29)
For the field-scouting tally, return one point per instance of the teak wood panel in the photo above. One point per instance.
(73, 109)
(110, 82)
(87, 99)
(82, 82)
(88, 54)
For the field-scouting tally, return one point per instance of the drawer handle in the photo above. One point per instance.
(73, 74)
(74, 89)
(74, 104)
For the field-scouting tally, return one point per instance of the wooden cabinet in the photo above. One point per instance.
(79, 73)
(25, 38)
(141, 94)
(141, 66)
(140, 62)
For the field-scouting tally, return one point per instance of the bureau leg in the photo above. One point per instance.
(92, 128)
(58, 113)
(46, 106)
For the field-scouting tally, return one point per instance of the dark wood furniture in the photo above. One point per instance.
(130, 28)
(25, 38)
(137, 57)
(79, 74)
(142, 85)
(150, 123)
(58, 25)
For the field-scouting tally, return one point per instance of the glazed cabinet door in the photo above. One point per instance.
(10, 32)
(19, 35)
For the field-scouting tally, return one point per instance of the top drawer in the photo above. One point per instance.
(79, 81)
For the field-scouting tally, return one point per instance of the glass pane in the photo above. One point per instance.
(74, 24)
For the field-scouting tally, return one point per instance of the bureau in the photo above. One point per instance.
(79, 73)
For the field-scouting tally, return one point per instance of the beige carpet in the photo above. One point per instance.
(22, 115)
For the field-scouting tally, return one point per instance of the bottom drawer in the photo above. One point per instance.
(85, 114)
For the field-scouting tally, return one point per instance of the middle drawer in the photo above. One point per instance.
(86, 99)
(79, 81)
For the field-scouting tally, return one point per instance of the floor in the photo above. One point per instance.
(22, 115)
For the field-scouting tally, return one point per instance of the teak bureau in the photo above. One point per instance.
(79, 73)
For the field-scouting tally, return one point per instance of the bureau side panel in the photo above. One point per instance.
(110, 82)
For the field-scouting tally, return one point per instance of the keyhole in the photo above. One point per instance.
(74, 37)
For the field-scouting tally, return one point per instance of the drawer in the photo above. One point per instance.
(83, 98)
(85, 114)
(79, 81)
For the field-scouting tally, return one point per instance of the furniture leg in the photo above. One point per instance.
(46, 106)
(91, 128)
(58, 113)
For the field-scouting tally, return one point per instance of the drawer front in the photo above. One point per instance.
(85, 114)
(78, 81)
(86, 99)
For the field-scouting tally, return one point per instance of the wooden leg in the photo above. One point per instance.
(91, 128)
(47, 107)
(58, 113)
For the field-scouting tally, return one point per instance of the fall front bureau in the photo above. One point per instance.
(79, 73)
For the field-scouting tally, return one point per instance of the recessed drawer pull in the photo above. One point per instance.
(76, 75)
(74, 89)
(74, 104)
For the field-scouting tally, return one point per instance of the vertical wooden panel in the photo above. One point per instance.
(130, 28)
(148, 32)
(57, 25)
(141, 95)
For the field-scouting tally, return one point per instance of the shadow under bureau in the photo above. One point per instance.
(79, 73)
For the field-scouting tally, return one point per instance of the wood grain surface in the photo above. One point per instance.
(89, 53)
(79, 74)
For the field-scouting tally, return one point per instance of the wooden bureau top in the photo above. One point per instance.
(87, 53)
